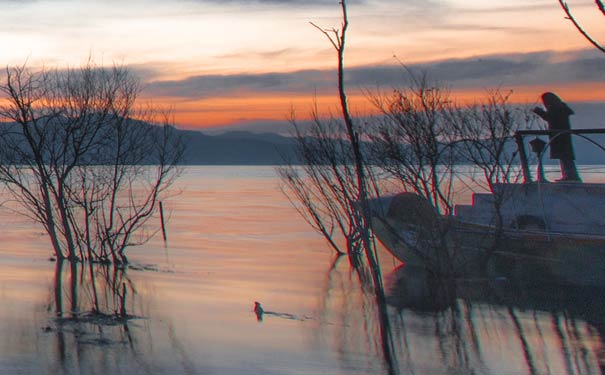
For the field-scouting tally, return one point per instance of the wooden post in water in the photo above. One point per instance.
(522, 158)
(162, 221)
(123, 312)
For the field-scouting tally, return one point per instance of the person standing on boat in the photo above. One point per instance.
(557, 116)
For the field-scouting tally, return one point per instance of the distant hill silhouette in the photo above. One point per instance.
(236, 148)
(231, 148)
(251, 148)
(247, 148)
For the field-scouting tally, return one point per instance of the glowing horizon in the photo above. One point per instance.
(223, 62)
(218, 113)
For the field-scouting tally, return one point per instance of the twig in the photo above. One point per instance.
(577, 25)
(162, 221)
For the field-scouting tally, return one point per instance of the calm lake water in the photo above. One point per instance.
(233, 239)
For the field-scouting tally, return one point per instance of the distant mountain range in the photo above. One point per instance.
(236, 148)
(256, 143)
(248, 148)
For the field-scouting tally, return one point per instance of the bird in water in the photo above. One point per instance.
(259, 311)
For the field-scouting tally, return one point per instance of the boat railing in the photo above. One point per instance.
(527, 178)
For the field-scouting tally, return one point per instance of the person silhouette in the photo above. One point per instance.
(557, 116)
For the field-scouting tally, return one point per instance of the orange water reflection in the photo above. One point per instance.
(234, 239)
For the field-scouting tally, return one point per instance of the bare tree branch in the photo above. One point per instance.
(82, 159)
(601, 6)
(334, 168)
(579, 27)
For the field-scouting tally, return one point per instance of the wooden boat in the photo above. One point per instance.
(554, 230)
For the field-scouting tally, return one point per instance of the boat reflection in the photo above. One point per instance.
(473, 326)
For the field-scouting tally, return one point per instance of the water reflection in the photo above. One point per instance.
(480, 326)
(352, 322)
(98, 324)
(92, 319)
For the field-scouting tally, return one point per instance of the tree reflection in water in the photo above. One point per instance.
(99, 326)
(351, 320)
(480, 326)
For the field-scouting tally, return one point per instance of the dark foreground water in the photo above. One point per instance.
(187, 308)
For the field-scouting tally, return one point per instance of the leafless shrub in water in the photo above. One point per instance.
(82, 159)
(350, 180)
(411, 141)
(424, 138)
(324, 187)
(484, 133)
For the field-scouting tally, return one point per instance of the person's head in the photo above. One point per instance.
(553, 103)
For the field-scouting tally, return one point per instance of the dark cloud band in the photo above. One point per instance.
(489, 71)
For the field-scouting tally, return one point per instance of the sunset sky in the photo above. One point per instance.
(220, 62)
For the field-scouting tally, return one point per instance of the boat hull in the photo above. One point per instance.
(534, 253)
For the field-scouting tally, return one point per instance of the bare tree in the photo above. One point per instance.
(82, 159)
(411, 141)
(348, 181)
(323, 188)
(334, 187)
(601, 8)
(485, 140)
(337, 38)
(421, 141)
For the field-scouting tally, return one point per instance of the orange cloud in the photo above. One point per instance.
(212, 112)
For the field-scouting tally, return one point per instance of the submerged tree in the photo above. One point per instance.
(80, 158)
(344, 175)
(411, 142)
(324, 187)
(423, 140)
(486, 134)
(335, 168)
